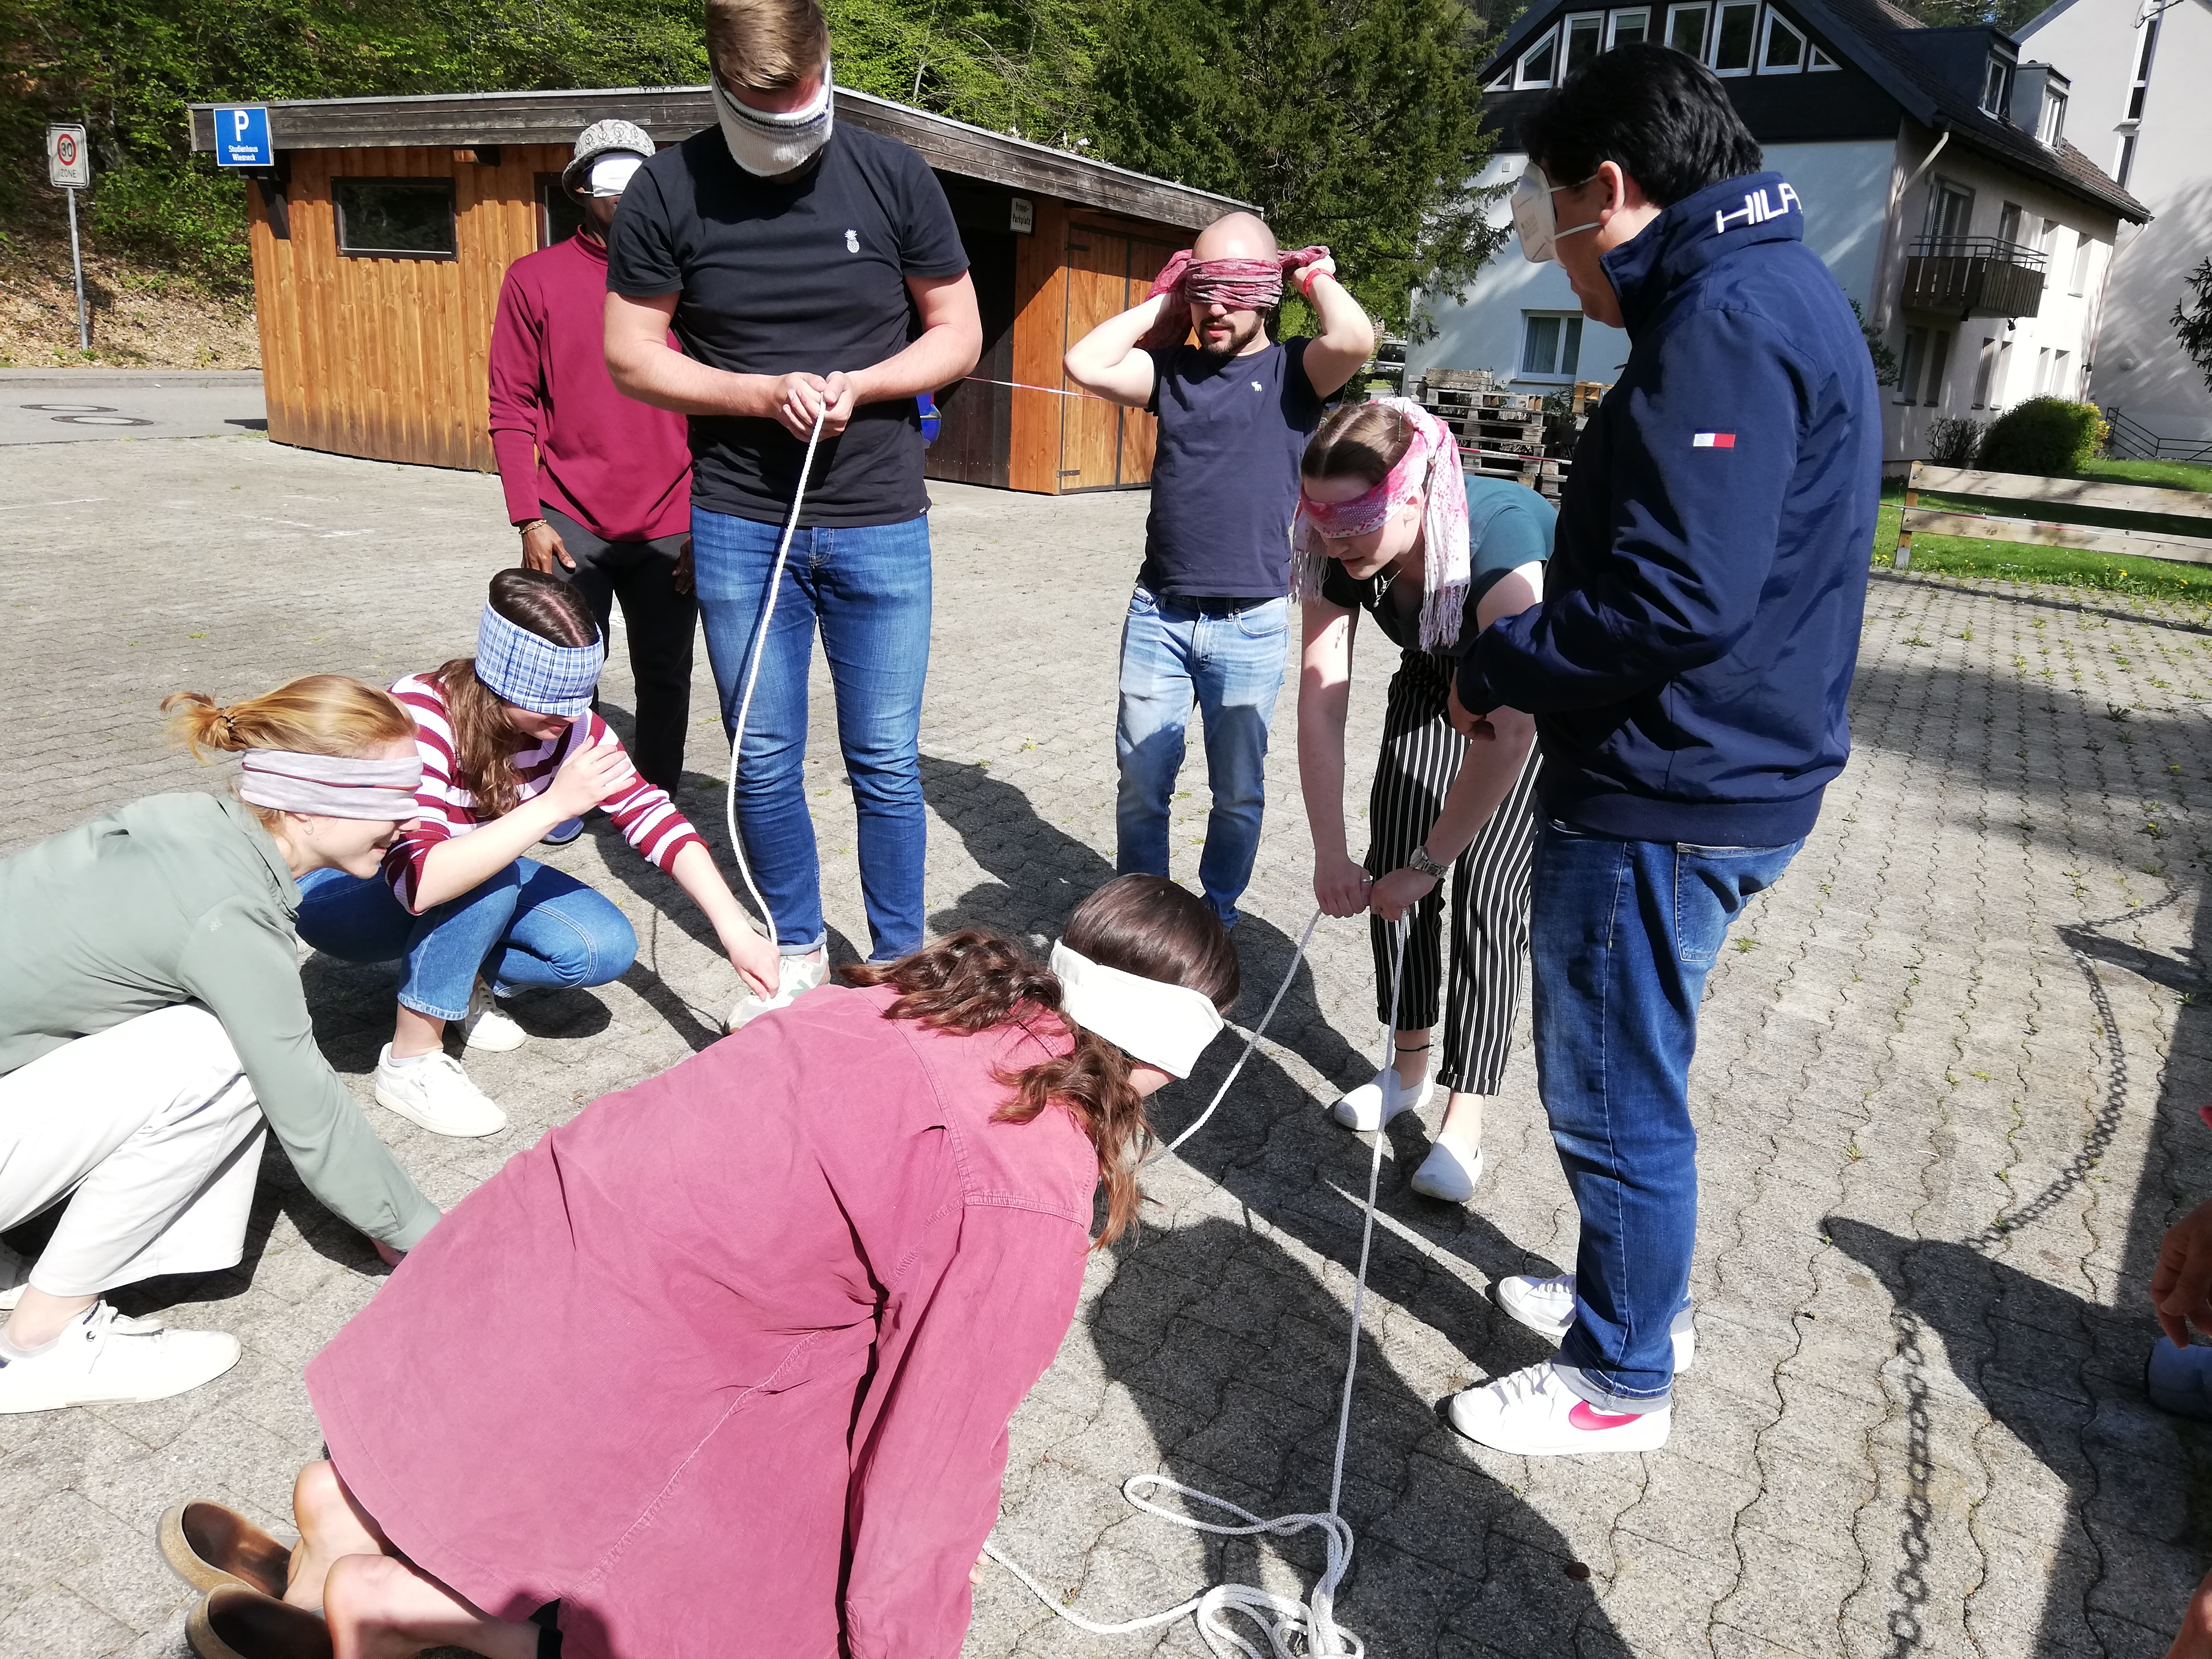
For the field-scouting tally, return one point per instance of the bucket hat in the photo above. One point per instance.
(599, 139)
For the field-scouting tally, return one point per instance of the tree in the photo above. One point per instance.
(1016, 66)
(1356, 123)
(2193, 319)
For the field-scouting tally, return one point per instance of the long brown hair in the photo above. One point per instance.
(318, 715)
(485, 743)
(975, 979)
(1357, 441)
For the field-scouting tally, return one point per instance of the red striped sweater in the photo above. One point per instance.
(643, 812)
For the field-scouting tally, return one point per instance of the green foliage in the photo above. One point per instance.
(1356, 123)
(1955, 440)
(2044, 436)
(2006, 14)
(1885, 360)
(2193, 319)
(1018, 66)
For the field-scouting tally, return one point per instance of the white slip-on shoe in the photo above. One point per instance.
(103, 1359)
(1445, 1175)
(794, 977)
(487, 1027)
(437, 1094)
(1371, 1105)
(1533, 1413)
(1546, 1306)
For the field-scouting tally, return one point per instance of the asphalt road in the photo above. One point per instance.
(81, 406)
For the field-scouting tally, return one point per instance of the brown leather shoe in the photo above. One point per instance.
(237, 1623)
(210, 1546)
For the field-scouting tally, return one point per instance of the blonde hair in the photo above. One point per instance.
(766, 46)
(319, 714)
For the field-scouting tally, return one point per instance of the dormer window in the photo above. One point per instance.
(1997, 84)
(1584, 36)
(1783, 52)
(2053, 125)
(1537, 64)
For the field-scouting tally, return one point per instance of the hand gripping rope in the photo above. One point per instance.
(1295, 1630)
(753, 678)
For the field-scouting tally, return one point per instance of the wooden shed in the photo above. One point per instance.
(380, 236)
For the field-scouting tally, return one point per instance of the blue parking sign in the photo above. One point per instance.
(241, 136)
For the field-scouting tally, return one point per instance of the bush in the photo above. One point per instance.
(2044, 436)
(1955, 442)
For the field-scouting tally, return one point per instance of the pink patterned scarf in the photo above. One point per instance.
(1427, 476)
(1239, 285)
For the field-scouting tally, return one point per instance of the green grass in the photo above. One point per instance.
(2159, 474)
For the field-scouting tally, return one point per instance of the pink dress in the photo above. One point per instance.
(726, 1363)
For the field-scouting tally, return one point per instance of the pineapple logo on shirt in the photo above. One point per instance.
(852, 241)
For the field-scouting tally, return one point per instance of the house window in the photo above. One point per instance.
(2144, 53)
(2054, 118)
(395, 218)
(1909, 364)
(1536, 65)
(1950, 211)
(1551, 345)
(2127, 162)
(1628, 28)
(1785, 51)
(2050, 232)
(1985, 367)
(2061, 375)
(1686, 27)
(1583, 34)
(1734, 36)
(1822, 61)
(2008, 224)
(1997, 86)
(2079, 283)
(2002, 376)
(2043, 371)
(1939, 362)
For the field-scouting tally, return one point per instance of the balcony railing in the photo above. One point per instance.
(1973, 276)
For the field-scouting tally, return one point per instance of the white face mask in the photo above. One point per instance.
(1534, 218)
(768, 145)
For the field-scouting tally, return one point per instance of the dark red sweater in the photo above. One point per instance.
(563, 436)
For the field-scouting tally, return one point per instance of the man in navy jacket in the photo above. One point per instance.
(1687, 669)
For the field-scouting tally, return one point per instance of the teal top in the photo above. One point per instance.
(185, 898)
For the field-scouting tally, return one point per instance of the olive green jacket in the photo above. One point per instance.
(185, 898)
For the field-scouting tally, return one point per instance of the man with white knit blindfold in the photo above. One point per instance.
(812, 272)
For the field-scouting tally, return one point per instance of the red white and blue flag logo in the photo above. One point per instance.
(1712, 440)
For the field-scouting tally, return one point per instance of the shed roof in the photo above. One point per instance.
(673, 114)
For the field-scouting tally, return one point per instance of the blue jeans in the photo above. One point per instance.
(1231, 665)
(528, 928)
(1622, 935)
(868, 590)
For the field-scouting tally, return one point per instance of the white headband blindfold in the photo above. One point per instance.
(611, 173)
(1159, 1023)
(768, 145)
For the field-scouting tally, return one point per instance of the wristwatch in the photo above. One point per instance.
(1418, 859)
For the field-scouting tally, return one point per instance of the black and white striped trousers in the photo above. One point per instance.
(1420, 758)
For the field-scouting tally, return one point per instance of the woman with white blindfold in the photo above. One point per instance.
(509, 748)
(153, 1030)
(1389, 523)
(782, 1301)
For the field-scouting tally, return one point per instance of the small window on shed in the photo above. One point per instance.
(1784, 53)
(1583, 34)
(1536, 65)
(395, 218)
(559, 213)
(1627, 28)
(1736, 37)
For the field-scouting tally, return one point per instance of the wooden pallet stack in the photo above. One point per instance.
(1501, 433)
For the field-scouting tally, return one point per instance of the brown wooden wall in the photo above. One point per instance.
(386, 358)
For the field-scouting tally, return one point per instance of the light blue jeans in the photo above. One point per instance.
(1622, 934)
(1231, 665)
(528, 928)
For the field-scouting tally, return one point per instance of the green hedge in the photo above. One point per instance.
(2044, 436)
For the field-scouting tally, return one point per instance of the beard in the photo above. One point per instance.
(1220, 348)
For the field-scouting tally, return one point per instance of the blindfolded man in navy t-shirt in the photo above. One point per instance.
(790, 258)
(1208, 620)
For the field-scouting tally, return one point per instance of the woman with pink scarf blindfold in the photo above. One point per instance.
(1389, 524)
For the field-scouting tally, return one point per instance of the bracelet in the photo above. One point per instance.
(526, 527)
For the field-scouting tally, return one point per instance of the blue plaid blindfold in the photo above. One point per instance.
(530, 671)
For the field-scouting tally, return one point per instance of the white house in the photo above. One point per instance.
(1936, 175)
(2132, 62)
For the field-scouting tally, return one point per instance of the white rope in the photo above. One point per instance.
(753, 678)
(1294, 1629)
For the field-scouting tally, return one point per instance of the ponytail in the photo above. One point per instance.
(321, 714)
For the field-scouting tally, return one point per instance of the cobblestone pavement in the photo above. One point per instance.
(1947, 1089)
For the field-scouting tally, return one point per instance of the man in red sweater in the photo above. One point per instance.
(600, 486)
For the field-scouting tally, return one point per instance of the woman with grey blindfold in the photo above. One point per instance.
(153, 1031)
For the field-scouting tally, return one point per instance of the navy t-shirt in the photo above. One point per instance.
(1226, 470)
(776, 275)
(1508, 526)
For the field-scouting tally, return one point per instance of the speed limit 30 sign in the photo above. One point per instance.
(69, 166)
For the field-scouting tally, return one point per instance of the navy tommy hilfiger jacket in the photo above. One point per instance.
(1688, 665)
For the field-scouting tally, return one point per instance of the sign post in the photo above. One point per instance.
(68, 169)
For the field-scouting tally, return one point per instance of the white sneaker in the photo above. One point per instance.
(103, 1359)
(795, 976)
(15, 1275)
(436, 1093)
(1534, 1413)
(1445, 1174)
(486, 1027)
(1546, 1306)
(1371, 1105)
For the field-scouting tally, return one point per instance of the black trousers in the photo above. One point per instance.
(662, 624)
(1420, 758)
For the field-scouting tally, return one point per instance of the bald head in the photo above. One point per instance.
(1236, 236)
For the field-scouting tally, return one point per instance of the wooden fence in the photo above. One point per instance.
(2134, 499)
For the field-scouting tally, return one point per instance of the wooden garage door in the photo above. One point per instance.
(1103, 446)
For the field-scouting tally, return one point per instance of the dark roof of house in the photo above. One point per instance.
(1873, 37)
(669, 114)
